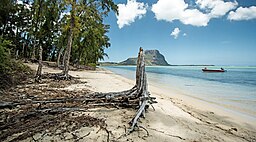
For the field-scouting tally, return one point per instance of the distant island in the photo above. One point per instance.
(152, 58)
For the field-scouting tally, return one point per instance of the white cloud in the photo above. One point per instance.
(184, 34)
(175, 33)
(216, 8)
(129, 12)
(194, 17)
(243, 13)
(170, 10)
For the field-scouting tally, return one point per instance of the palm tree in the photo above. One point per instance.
(104, 6)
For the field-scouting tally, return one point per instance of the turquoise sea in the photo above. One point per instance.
(234, 89)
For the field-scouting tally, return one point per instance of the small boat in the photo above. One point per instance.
(211, 70)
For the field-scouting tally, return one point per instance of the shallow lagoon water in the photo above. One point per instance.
(234, 89)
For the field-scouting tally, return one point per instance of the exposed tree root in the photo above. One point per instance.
(28, 113)
(58, 76)
(179, 137)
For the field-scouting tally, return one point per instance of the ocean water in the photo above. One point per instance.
(234, 89)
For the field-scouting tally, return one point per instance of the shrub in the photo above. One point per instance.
(93, 65)
(11, 71)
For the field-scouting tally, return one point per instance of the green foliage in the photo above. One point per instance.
(33, 23)
(11, 72)
(4, 56)
(91, 41)
(42, 23)
(93, 65)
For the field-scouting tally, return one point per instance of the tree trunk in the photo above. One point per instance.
(59, 55)
(67, 53)
(17, 54)
(26, 54)
(64, 57)
(53, 54)
(80, 55)
(70, 37)
(138, 70)
(23, 50)
(142, 90)
(34, 52)
(40, 65)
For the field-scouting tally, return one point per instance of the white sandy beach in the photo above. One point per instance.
(175, 118)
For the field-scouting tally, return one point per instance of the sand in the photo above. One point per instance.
(173, 118)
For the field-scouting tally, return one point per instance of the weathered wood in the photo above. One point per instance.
(137, 97)
(139, 71)
(9, 105)
(142, 90)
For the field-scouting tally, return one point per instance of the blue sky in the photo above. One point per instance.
(186, 32)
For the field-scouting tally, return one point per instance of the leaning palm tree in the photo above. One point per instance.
(77, 8)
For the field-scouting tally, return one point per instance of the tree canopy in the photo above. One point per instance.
(29, 24)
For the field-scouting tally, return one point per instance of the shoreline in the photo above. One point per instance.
(232, 113)
(195, 106)
(198, 103)
(171, 119)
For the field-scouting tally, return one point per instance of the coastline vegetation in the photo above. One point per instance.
(11, 72)
(68, 31)
(60, 107)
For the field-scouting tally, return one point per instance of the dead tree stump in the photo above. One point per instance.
(137, 97)
(142, 90)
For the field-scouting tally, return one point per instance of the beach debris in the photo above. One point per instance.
(46, 107)
(142, 90)
(137, 97)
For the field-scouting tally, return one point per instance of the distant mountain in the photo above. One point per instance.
(152, 58)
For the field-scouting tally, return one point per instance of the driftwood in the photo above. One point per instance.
(142, 90)
(137, 98)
